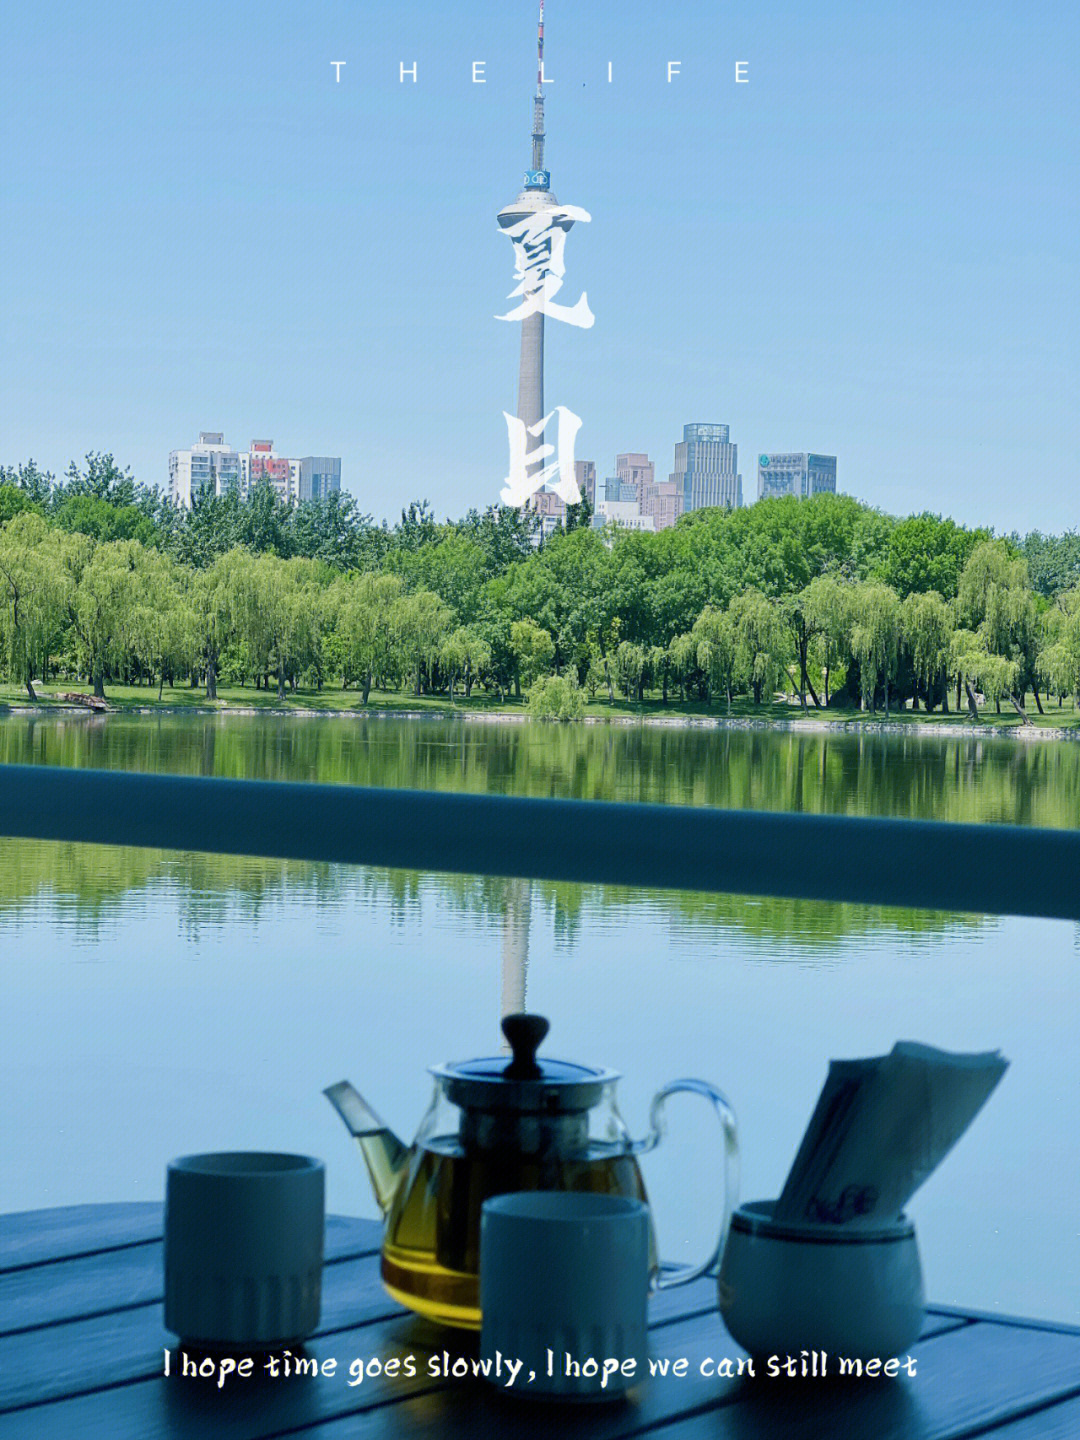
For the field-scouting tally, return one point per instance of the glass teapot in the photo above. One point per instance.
(496, 1126)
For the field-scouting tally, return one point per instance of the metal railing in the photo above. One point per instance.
(932, 865)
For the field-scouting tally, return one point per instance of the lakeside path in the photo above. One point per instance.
(1056, 724)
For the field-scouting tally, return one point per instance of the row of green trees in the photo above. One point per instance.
(990, 639)
(824, 598)
(120, 610)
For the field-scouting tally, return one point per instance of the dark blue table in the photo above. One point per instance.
(82, 1356)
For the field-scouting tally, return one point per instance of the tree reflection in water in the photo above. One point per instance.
(910, 775)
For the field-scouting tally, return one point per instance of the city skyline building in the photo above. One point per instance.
(585, 475)
(551, 510)
(214, 467)
(800, 474)
(635, 481)
(626, 514)
(320, 476)
(663, 500)
(262, 462)
(633, 471)
(209, 465)
(707, 468)
(551, 507)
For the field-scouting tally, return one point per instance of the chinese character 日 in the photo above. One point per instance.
(524, 479)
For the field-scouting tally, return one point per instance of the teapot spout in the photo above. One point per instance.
(383, 1152)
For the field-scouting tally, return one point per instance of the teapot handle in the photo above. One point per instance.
(680, 1274)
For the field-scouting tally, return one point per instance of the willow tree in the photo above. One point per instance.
(682, 655)
(1059, 665)
(713, 650)
(251, 598)
(213, 597)
(465, 653)
(1059, 657)
(659, 665)
(875, 639)
(533, 650)
(984, 669)
(422, 623)
(630, 663)
(965, 653)
(364, 616)
(104, 608)
(760, 640)
(35, 592)
(826, 604)
(275, 604)
(926, 625)
(300, 644)
(995, 600)
(804, 624)
(163, 622)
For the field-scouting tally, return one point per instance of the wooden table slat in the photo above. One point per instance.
(28, 1237)
(1059, 1422)
(85, 1285)
(1059, 1327)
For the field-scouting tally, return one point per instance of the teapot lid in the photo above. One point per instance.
(523, 1082)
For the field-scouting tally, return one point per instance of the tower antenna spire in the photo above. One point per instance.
(538, 102)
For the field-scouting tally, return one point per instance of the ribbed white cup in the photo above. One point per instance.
(243, 1247)
(568, 1273)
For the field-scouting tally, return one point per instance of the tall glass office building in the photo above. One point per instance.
(802, 474)
(320, 475)
(707, 468)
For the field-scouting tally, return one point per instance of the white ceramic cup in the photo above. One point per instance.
(787, 1288)
(243, 1248)
(567, 1273)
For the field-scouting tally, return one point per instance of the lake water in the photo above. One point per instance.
(159, 1003)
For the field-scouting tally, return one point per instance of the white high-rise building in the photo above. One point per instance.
(624, 513)
(261, 463)
(211, 465)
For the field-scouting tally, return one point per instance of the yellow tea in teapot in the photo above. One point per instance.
(431, 1252)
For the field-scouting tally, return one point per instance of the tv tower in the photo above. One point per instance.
(534, 198)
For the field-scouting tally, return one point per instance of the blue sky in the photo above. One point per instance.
(869, 250)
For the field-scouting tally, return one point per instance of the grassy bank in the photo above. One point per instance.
(333, 700)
